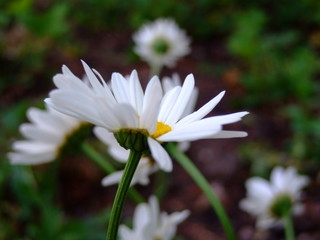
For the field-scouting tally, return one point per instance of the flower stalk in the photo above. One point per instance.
(288, 226)
(108, 168)
(197, 176)
(121, 194)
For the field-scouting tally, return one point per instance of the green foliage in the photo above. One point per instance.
(305, 144)
(274, 63)
(269, 41)
(28, 209)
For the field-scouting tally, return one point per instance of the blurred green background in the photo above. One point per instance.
(265, 52)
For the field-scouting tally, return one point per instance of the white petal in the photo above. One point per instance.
(178, 217)
(107, 92)
(202, 112)
(193, 131)
(192, 103)
(96, 85)
(63, 81)
(45, 119)
(33, 132)
(74, 104)
(160, 155)
(114, 149)
(33, 147)
(229, 134)
(278, 178)
(151, 105)
(260, 188)
(141, 217)
(182, 101)
(27, 159)
(167, 103)
(136, 92)
(120, 88)
(106, 115)
(126, 234)
(126, 116)
(111, 179)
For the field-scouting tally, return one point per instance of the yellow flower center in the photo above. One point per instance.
(161, 129)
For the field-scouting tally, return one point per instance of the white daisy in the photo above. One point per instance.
(150, 224)
(140, 120)
(145, 167)
(161, 43)
(46, 136)
(269, 201)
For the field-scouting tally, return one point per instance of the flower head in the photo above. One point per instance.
(147, 165)
(161, 43)
(150, 224)
(140, 120)
(270, 201)
(47, 136)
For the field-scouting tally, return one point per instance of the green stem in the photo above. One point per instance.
(121, 194)
(155, 70)
(197, 176)
(162, 180)
(288, 227)
(108, 168)
(97, 158)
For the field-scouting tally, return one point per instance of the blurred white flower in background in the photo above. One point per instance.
(270, 201)
(47, 136)
(161, 43)
(150, 224)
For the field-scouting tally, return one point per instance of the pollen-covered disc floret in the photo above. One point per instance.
(124, 109)
(47, 136)
(150, 224)
(271, 201)
(161, 43)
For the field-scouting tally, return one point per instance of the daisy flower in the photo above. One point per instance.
(140, 120)
(150, 224)
(145, 167)
(161, 43)
(270, 201)
(48, 136)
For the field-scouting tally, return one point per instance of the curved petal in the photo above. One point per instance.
(31, 159)
(126, 116)
(167, 103)
(151, 105)
(41, 134)
(229, 134)
(136, 92)
(112, 178)
(202, 112)
(160, 155)
(182, 101)
(114, 149)
(193, 131)
(120, 88)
